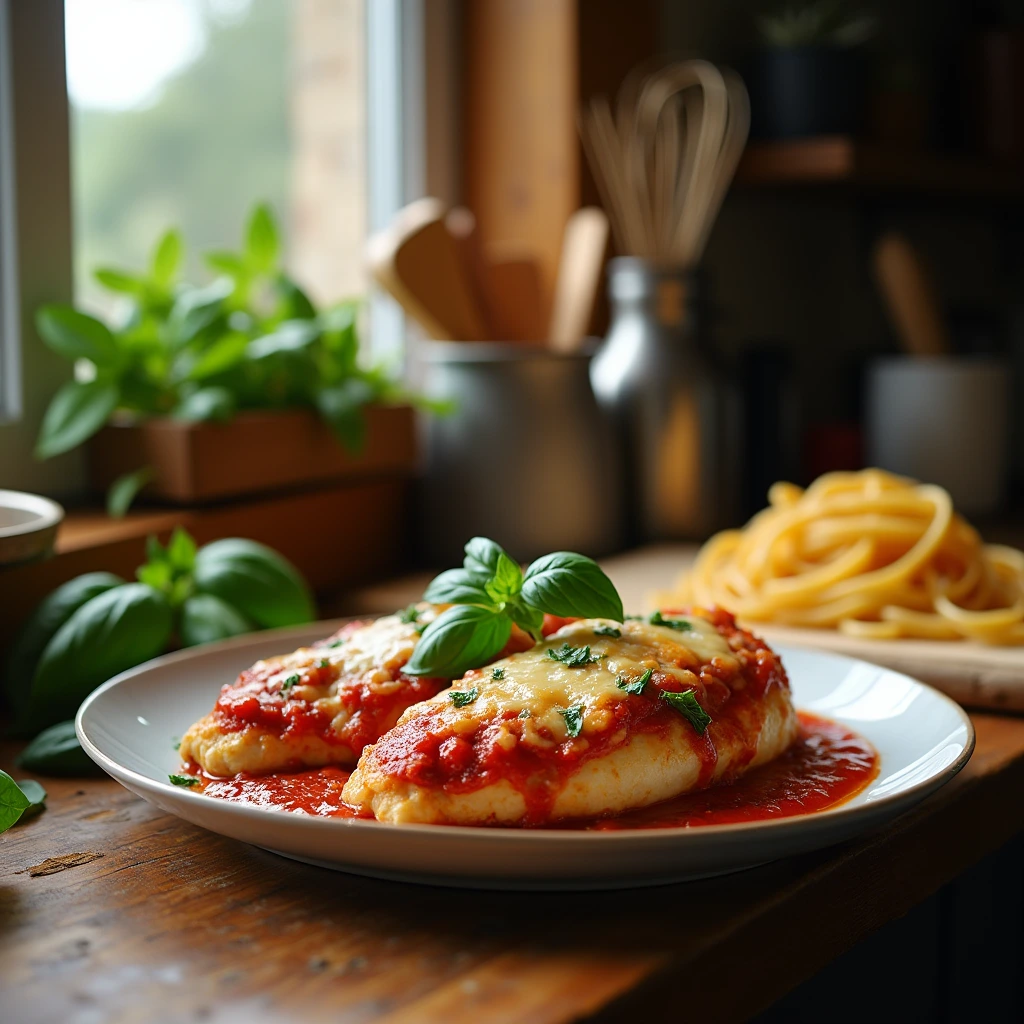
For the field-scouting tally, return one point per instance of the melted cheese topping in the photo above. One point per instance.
(538, 687)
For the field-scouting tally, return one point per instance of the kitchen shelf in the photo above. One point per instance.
(841, 160)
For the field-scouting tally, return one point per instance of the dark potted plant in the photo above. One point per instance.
(238, 386)
(808, 76)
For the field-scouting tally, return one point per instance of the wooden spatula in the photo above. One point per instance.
(911, 297)
(417, 260)
(462, 226)
(584, 247)
(515, 293)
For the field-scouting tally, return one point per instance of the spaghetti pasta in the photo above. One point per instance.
(868, 553)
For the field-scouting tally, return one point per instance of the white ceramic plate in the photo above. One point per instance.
(129, 727)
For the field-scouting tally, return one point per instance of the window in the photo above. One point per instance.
(10, 320)
(187, 112)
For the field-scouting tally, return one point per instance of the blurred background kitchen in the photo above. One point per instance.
(855, 300)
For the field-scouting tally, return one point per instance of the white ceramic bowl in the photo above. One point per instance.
(129, 727)
(28, 526)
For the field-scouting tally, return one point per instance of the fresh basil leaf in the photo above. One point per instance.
(289, 337)
(255, 580)
(482, 557)
(295, 303)
(635, 687)
(657, 619)
(115, 631)
(573, 657)
(76, 335)
(210, 404)
(342, 407)
(526, 618)
(688, 706)
(13, 802)
(51, 613)
(118, 281)
(261, 239)
(607, 631)
(75, 413)
(293, 680)
(227, 351)
(497, 673)
(167, 257)
(36, 796)
(573, 719)
(460, 698)
(57, 752)
(456, 586)
(181, 551)
(224, 262)
(183, 780)
(158, 575)
(205, 618)
(506, 582)
(463, 637)
(125, 489)
(571, 585)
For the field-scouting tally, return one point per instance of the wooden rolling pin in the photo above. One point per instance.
(911, 297)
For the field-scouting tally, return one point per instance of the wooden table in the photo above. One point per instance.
(165, 922)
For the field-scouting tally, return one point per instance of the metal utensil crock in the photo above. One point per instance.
(527, 458)
(676, 414)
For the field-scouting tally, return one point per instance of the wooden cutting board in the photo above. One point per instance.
(973, 674)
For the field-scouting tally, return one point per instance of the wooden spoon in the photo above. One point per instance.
(584, 247)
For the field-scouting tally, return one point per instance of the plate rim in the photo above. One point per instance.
(478, 833)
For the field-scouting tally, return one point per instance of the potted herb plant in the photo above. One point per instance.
(808, 75)
(238, 386)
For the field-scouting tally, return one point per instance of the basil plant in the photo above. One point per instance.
(98, 625)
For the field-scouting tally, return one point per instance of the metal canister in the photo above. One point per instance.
(526, 458)
(676, 413)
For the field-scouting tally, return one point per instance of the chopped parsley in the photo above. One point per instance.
(525, 713)
(657, 619)
(460, 698)
(687, 705)
(637, 685)
(573, 719)
(177, 744)
(409, 615)
(497, 673)
(573, 657)
(607, 631)
(336, 643)
(323, 663)
(290, 682)
(183, 780)
(632, 618)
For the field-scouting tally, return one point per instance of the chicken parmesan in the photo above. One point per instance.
(599, 718)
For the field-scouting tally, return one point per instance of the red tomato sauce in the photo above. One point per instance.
(826, 766)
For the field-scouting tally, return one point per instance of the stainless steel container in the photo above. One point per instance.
(527, 458)
(675, 412)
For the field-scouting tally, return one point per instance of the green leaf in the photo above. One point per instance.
(657, 619)
(409, 615)
(184, 780)
(607, 631)
(256, 581)
(115, 631)
(226, 352)
(125, 489)
(635, 686)
(459, 639)
(13, 802)
(119, 281)
(205, 618)
(196, 308)
(261, 239)
(460, 698)
(76, 335)
(210, 404)
(57, 752)
(688, 706)
(573, 657)
(456, 586)
(225, 262)
(167, 258)
(36, 796)
(497, 673)
(525, 617)
(568, 584)
(51, 613)
(507, 580)
(181, 550)
(76, 412)
(157, 575)
(573, 719)
(482, 557)
(342, 408)
(291, 336)
(295, 303)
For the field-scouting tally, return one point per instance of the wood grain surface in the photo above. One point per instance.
(151, 919)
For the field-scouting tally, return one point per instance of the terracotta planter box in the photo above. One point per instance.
(255, 451)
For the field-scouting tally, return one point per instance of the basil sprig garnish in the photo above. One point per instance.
(183, 780)
(657, 619)
(490, 593)
(688, 706)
